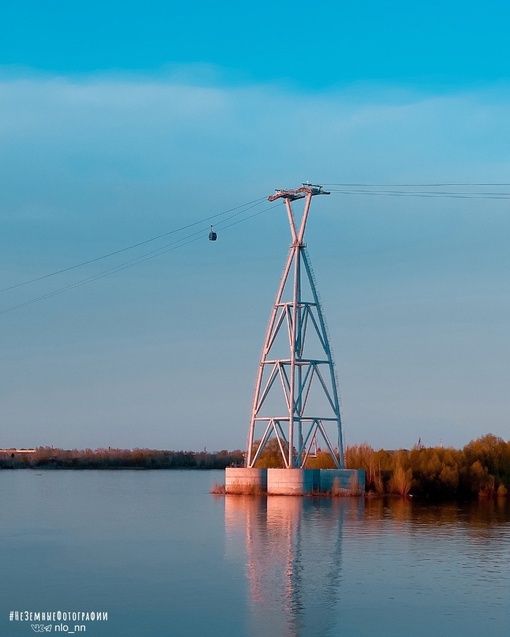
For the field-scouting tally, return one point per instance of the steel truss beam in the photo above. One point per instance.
(299, 320)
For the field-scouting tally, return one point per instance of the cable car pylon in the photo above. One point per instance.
(296, 391)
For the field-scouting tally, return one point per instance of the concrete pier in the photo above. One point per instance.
(302, 482)
(247, 481)
(292, 481)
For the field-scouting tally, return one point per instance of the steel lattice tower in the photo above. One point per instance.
(296, 391)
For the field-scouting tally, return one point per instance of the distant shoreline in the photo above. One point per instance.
(99, 468)
(481, 469)
(49, 458)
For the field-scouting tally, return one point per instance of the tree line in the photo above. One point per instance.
(51, 458)
(480, 469)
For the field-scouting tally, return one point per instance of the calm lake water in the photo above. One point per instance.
(163, 557)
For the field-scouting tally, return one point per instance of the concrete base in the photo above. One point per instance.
(292, 481)
(245, 481)
(343, 480)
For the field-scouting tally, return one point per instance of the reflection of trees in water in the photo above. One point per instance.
(488, 512)
(474, 527)
(293, 552)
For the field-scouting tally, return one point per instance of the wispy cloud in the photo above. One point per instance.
(355, 128)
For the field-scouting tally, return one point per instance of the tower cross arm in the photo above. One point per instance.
(298, 193)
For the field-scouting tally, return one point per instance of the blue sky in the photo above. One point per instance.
(122, 122)
(309, 45)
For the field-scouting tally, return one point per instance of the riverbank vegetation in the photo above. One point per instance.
(480, 469)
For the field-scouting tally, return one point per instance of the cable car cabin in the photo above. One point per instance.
(212, 235)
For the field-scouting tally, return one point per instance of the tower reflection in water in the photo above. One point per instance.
(293, 553)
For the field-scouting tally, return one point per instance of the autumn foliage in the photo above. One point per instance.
(480, 469)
